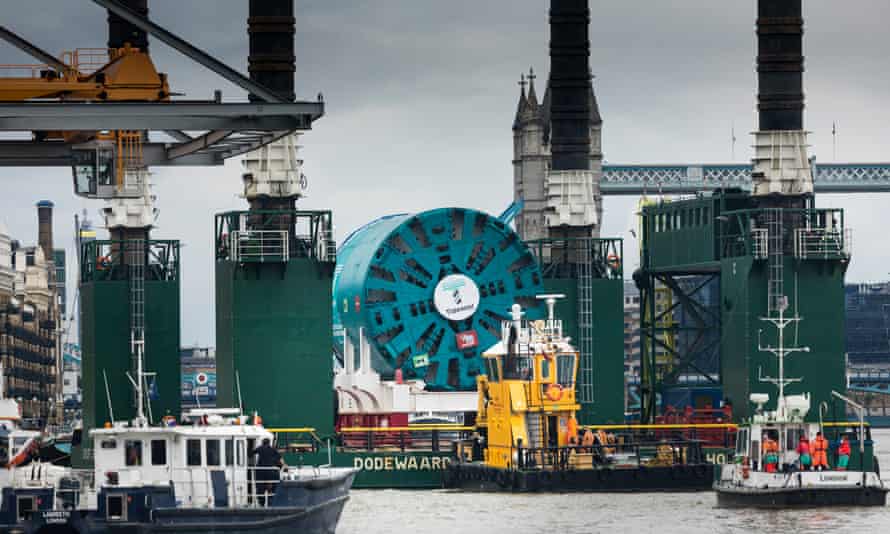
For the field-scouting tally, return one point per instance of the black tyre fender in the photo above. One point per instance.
(700, 471)
(546, 478)
(531, 481)
(678, 472)
(604, 474)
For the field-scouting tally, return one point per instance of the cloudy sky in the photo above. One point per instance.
(421, 95)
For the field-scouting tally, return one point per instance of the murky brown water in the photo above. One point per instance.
(441, 512)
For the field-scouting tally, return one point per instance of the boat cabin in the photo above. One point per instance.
(771, 432)
(527, 394)
(207, 461)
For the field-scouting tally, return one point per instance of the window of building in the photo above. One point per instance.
(193, 452)
(133, 452)
(158, 452)
(212, 451)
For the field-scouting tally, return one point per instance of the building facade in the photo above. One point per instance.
(868, 325)
(198, 372)
(30, 324)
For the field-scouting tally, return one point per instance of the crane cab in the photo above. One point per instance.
(109, 166)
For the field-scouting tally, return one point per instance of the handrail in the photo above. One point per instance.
(729, 426)
(430, 427)
(304, 430)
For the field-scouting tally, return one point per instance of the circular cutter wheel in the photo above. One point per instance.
(436, 290)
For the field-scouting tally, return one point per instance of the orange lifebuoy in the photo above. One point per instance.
(613, 261)
(554, 392)
(102, 262)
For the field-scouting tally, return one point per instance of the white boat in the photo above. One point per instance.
(757, 480)
(198, 476)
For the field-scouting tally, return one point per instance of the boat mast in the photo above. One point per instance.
(780, 351)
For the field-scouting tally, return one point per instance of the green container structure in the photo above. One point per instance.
(105, 332)
(764, 257)
(588, 271)
(274, 271)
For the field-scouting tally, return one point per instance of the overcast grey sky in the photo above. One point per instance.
(421, 95)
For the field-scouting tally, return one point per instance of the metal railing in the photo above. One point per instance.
(759, 243)
(109, 260)
(599, 456)
(823, 243)
(86, 61)
(300, 234)
(419, 438)
(259, 246)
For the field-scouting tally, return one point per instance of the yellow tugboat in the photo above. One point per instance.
(528, 438)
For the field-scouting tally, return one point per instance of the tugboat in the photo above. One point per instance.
(198, 476)
(529, 440)
(781, 461)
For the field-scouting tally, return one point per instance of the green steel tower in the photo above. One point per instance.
(275, 265)
(772, 249)
(274, 272)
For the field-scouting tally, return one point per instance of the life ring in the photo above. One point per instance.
(613, 261)
(554, 392)
(103, 262)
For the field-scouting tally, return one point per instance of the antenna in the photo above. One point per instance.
(780, 352)
(108, 397)
(238, 385)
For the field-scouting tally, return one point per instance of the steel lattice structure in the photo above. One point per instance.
(689, 179)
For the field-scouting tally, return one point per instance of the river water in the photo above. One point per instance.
(446, 512)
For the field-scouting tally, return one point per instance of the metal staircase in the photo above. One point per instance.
(585, 321)
(135, 255)
(776, 263)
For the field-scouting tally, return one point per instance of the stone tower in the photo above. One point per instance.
(532, 162)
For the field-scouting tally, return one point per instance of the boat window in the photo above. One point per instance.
(114, 508)
(792, 437)
(240, 453)
(518, 368)
(158, 452)
(545, 369)
(133, 452)
(741, 444)
(491, 367)
(565, 370)
(755, 451)
(24, 505)
(230, 452)
(18, 443)
(212, 451)
(4, 450)
(193, 452)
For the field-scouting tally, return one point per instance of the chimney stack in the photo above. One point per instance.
(45, 228)
(570, 84)
(121, 32)
(780, 64)
(781, 165)
(272, 63)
